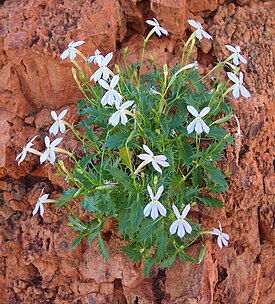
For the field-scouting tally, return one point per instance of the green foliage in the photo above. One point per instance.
(109, 180)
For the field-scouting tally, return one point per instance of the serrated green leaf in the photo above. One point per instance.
(123, 178)
(66, 196)
(162, 241)
(185, 153)
(89, 204)
(77, 240)
(168, 262)
(210, 201)
(102, 247)
(132, 253)
(148, 228)
(116, 140)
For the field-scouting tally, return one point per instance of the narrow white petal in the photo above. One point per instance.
(198, 34)
(44, 156)
(97, 75)
(126, 104)
(104, 84)
(151, 22)
(193, 111)
(52, 157)
(241, 77)
(245, 92)
(156, 21)
(107, 59)
(181, 231)
(72, 54)
(77, 43)
(233, 77)
(204, 111)
(157, 31)
(187, 226)
(105, 73)
(163, 30)
(206, 35)
(147, 209)
(43, 197)
(243, 60)
(230, 48)
(114, 81)
(114, 119)
(47, 141)
(146, 149)
(159, 192)
(56, 142)
(41, 210)
(226, 236)
(54, 115)
(156, 167)
(205, 127)
(236, 59)
(176, 211)
(35, 209)
(149, 189)
(105, 99)
(123, 118)
(62, 114)
(154, 212)
(54, 129)
(161, 209)
(217, 231)
(145, 157)
(62, 127)
(194, 23)
(236, 91)
(198, 128)
(163, 163)
(220, 241)
(173, 228)
(185, 211)
(224, 241)
(65, 54)
(191, 126)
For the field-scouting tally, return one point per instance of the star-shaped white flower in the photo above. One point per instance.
(237, 57)
(39, 205)
(157, 28)
(111, 96)
(198, 124)
(151, 158)
(28, 148)
(70, 51)
(222, 237)
(103, 70)
(120, 114)
(96, 58)
(180, 225)
(238, 86)
(50, 151)
(154, 207)
(199, 30)
(59, 123)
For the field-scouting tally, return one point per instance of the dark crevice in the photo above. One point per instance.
(119, 297)
(158, 282)
(222, 274)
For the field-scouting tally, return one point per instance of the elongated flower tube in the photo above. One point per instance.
(154, 207)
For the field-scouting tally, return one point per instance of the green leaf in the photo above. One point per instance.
(169, 261)
(216, 176)
(201, 255)
(132, 253)
(185, 153)
(116, 140)
(88, 204)
(210, 201)
(91, 237)
(77, 240)
(66, 196)
(197, 177)
(123, 178)
(162, 241)
(102, 247)
(75, 223)
(136, 214)
(148, 229)
(125, 155)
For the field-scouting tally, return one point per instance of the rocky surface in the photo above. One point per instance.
(36, 263)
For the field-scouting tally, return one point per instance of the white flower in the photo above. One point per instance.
(222, 237)
(150, 157)
(39, 205)
(237, 57)
(198, 124)
(199, 30)
(22, 155)
(96, 58)
(238, 87)
(157, 28)
(180, 225)
(111, 96)
(50, 151)
(70, 51)
(154, 207)
(59, 123)
(103, 70)
(120, 114)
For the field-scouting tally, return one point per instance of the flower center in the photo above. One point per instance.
(198, 119)
(180, 221)
(154, 202)
(154, 158)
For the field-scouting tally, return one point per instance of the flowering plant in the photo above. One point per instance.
(145, 161)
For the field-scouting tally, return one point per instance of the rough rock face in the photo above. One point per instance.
(36, 263)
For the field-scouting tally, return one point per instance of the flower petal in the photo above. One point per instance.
(154, 212)
(146, 149)
(65, 54)
(159, 192)
(62, 114)
(114, 81)
(204, 111)
(231, 48)
(56, 142)
(236, 91)
(54, 129)
(41, 210)
(242, 59)
(145, 157)
(151, 22)
(54, 115)
(187, 226)
(233, 77)
(191, 126)
(114, 119)
(47, 141)
(181, 231)
(193, 111)
(149, 189)
(107, 59)
(147, 209)
(194, 23)
(123, 118)
(161, 209)
(173, 228)
(198, 127)
(126, 104)
(35, 209)
(156, 167)
(206, 35)
(163, 30)
(62, 127)
(185, 211)
(199, 34)
(205, 127)
(176, 211)
(104, 84)
(224, 241)
(219, 241)
(52, 157)
(245, 92)
(44, 156)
